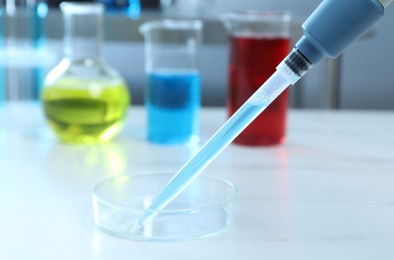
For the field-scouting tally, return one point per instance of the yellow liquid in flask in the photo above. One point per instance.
(86, 111)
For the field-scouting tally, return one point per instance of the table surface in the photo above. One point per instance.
(327, 193)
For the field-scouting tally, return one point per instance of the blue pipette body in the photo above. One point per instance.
(327, 32)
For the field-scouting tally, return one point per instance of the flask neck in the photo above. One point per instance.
(83, 36)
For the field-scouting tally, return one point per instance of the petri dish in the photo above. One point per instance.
(202, 210)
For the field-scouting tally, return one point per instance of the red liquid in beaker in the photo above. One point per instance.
(252, 62)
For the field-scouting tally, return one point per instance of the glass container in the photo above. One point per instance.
(203, 209)
(173, 80)
(24, 56)
(85, 101)
(132, 8)
(259, 41)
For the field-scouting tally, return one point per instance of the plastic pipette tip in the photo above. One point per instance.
(135, 228)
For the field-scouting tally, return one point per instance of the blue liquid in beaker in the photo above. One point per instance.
(132, 8)
(173, 103)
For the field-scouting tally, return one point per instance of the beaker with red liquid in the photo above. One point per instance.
(258, 41)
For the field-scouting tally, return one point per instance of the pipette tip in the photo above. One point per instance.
(135, 228)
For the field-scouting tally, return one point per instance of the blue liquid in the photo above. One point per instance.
(131, 7)
(173, 103)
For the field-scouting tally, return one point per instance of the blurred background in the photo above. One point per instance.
(31, 43)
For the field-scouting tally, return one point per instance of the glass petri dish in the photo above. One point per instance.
(202, 210)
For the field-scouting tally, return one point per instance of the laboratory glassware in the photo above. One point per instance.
(131, 8)
(204, 208)
(172, 95)
(258, 43)
(85, 101)
(24, 57)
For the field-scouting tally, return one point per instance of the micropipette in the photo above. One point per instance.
(327, 32)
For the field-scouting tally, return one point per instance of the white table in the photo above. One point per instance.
(328, 193)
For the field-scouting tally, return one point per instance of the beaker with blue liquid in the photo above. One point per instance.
(131, 8)
(172, 95)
